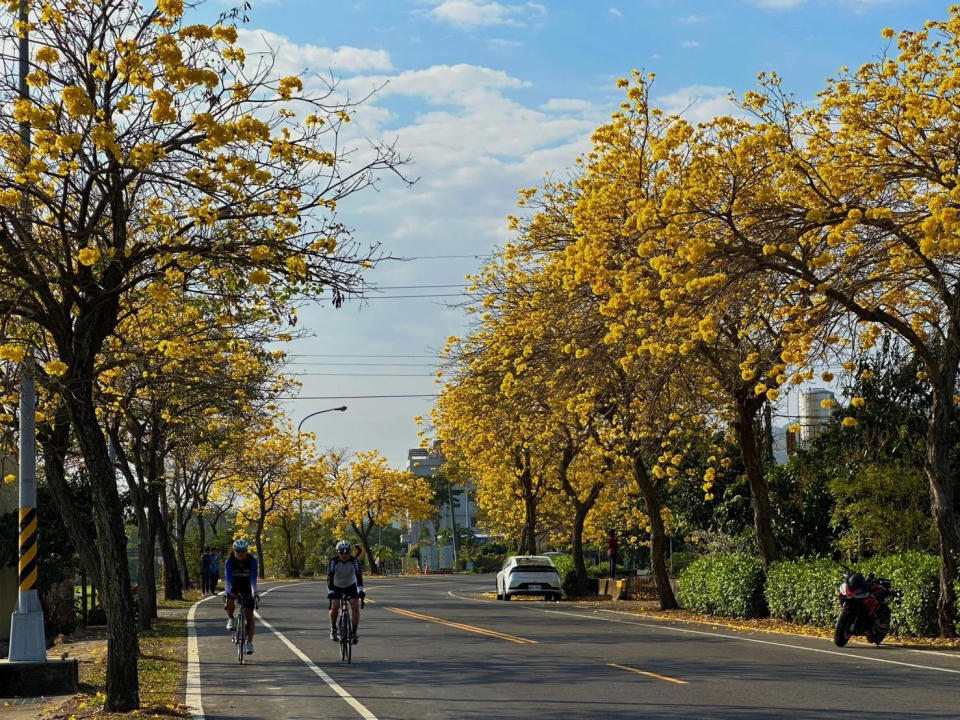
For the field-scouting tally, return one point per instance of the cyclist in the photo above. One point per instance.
(240, 579)
(344, 580)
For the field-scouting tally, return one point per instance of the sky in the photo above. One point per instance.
(487, 98)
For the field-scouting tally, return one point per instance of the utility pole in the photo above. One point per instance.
(453, 521)
(26, 625)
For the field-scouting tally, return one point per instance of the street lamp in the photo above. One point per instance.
(342, 408)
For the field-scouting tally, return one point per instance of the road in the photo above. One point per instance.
(430, 647)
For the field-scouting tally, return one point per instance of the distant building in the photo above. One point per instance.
(426, 463)
(813, 416)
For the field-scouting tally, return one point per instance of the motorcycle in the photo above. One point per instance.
(865, 607)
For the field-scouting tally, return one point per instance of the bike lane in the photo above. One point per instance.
(274, 683)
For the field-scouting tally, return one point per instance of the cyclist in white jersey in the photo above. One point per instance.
(344, 579)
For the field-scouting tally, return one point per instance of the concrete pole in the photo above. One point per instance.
(27, 643)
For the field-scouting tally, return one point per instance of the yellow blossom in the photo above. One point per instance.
(55, 367)
(12, 352)
(88, 256)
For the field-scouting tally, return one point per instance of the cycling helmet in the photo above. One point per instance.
(344, 546)
(240, 544)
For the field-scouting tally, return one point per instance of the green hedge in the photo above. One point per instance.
(917, 576)
(730, 585)
(804, 591)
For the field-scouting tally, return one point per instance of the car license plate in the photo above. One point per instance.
(534, 587)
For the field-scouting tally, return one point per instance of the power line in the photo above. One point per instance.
(440, 257)
(413, 287)
(351, 355)
(313, 374)
(366, 364)
(353, 397)
(397, 297)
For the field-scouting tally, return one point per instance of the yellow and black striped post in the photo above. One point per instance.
(28, 548)
(26, 625)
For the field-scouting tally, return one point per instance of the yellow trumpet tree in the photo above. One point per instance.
(365, 491)
(859, 223)
(157, 148)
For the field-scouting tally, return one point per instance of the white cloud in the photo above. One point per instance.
(690, 44)
(615, 12)
(566, 105)
(698, 103)
(462, 84)
(690, 19)
(502, 44)
(469, 13)
(293, 58)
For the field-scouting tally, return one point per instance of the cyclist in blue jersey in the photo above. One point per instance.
(240, 579)
(344, 580)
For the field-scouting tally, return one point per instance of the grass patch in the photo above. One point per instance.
(162, 666)
(189, 598)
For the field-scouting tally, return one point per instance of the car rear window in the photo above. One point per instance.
(534, 564)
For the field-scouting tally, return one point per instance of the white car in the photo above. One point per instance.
(528, 575)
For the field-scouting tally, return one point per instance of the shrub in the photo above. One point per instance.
(568, 578)
(917, 576)
(488, 563)
(730, 585)
(804, 591)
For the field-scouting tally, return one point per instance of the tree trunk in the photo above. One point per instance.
(657, 533)
(937, 466)
(576, 542)
(528, 538)
(261, 563)
(530, 525)
(146, 578)
(181, 543)
(123, 691)
(54, 449)
(364, 532)
(747, 437)
(582, 508)
(202, 531)
(172, 585)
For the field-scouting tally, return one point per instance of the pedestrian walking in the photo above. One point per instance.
(214, 571)
(205, 571)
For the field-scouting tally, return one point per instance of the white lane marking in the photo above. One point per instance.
(193, 698)
(348, 698)
(658, 626)
(955, 656)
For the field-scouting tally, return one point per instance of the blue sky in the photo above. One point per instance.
(486, 97)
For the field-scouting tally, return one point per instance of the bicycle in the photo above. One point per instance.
(344, 628)
(239, 635)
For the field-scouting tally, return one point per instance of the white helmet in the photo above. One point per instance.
(344, 546)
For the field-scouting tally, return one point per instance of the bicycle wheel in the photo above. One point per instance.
(241, 637)
(346, 649)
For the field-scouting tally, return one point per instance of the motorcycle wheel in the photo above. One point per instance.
(843, 631)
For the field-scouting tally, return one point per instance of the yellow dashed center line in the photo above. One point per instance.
(648, 674)
(461, 626)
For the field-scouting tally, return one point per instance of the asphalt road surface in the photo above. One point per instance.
(430, 647)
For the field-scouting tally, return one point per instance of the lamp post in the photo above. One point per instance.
(342, 408)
